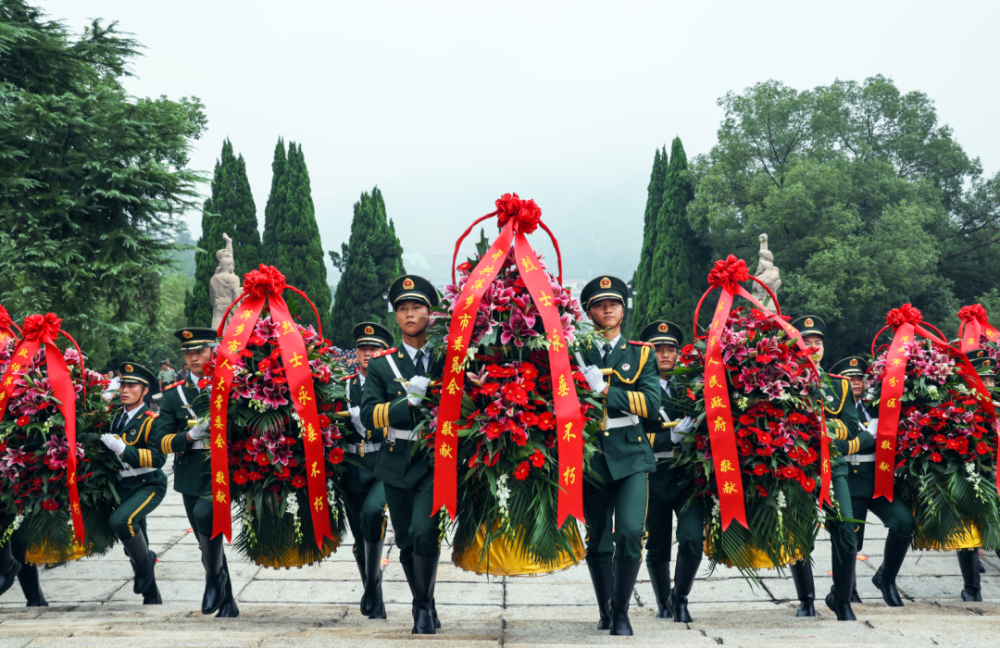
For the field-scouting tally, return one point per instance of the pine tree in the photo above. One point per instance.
(230, 210)
(678, 267)
(297, 250)
(274, 201)
(654, 199)
(369, 261)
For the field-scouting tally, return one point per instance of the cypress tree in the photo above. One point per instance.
(369, 261)
(672, 287)
(297, 250)
(274, 200)
(654, 199)
(230, 210)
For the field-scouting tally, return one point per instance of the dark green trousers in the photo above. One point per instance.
(894, 515)
(841, 533)
(665, 501)
(615, 514)
(199, 512)
(416, 529)
(366, 517)
(129, 517)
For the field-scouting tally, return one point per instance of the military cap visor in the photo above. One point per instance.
(851, 366)
(662, 332)
(413, 288)
(372, 334)
(810, 325)
(137, 374)
(601, 288)
(194, 337)
(984, 365)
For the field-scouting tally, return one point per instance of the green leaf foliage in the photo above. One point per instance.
(93, 181)
(369, 261)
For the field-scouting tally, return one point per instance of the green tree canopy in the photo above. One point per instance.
(369, 261)
(291, 234)
(230, 210)
(93, 181)
(275, 201)
(863, 196)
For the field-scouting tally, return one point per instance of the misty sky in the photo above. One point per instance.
(447, 105)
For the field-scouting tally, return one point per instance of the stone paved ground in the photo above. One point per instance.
(92, 605)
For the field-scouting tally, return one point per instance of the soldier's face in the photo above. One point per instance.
(195, 360)
(365, 354)
(857, 385)
(411, 316)
(666, 357)
(606, 314)
(989, 381)
(814, 342)
(131, 393)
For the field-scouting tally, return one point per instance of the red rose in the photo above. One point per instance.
(298, 481)
(523, 469)
(50, 505)
(336, 456)
(24, 420)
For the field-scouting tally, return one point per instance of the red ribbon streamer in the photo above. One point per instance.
(42, 331)
(727, 275)
(516, 217)
(260, 285)
(975, 325)
(907, 323)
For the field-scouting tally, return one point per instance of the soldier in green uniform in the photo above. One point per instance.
(141, 483)
(177, 431)
(365, 493)
(843, 417)
(667, 495)
(615, 510)
(861, 482)
(395, 386)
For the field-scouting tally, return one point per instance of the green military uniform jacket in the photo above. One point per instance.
(360, 466)
(192, 468)
(838, 403)
(385, 410)
(141, 451)
(633, 389)
(861, 474)
(663, 483)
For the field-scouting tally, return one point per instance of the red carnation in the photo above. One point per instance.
(336, 455)
(50, 505)
(298, 481)
(523, 469)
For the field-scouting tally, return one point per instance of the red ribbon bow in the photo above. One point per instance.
(267, 279)
(5, 323)
(974, 326)
(975, 313)
(42, 328)
(729, 273)
(526, 212)
(905, 314)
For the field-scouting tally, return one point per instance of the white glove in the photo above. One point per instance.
(873, 427)
(679, 431)
(114, 443)
(595, 379)
(199, 431)
(416, 389)
(356, 420)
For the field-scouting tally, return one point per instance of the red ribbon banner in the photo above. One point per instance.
(974, 326)
(907, 323)
(727, 276)
(260, 285)
(42, 331)
(515, 217)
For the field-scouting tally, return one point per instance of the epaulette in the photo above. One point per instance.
(385, 352)
(151, 414)
(176, 384)
(640, 343)
(346, 378)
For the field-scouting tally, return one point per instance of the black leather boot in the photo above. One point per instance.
(885, 578)
(625, 574)
(143, 562)
(372, 605)
(152, 594)
(32, 588)
(213, 557)
(687, 569)
(359, 558)
(602, 577)
(8, 567)
(659, 577)
(422, 588)
(839, 598)
(855, 598)
(228, 609)
(805, 588)
(968, 562)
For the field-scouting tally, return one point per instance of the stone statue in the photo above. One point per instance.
(224, 287)
(767, 272)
